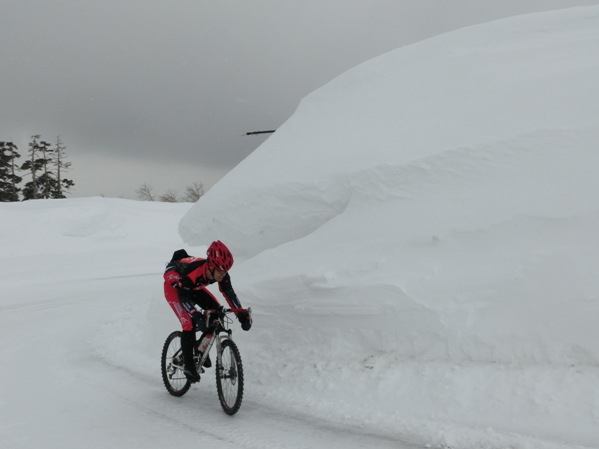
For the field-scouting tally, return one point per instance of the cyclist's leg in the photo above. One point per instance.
(205, 300)
(188, 335)
(172, 296)
(188, 340)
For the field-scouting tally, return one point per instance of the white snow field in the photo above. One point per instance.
(419, 244)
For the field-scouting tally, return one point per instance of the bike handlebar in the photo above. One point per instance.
(231, 310)
(213, 315)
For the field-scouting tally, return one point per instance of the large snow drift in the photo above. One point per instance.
(429, 219)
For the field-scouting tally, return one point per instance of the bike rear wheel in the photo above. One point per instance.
(229, 378)
(172, 366)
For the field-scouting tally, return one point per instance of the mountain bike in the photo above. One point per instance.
(229, 370)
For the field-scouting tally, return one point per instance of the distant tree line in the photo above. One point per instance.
(44, 166)
(192, 194)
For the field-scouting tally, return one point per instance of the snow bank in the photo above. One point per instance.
(102, 233)
(419, 239)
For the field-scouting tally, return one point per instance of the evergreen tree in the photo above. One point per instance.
(46, 183)
(36, 163)
(9, 180)
(47, 166)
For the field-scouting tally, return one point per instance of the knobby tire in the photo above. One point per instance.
(174, 380)
(229, 378)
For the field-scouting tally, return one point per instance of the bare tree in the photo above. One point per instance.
(169, 197)
(193, 192)
(145, 193)
(62, 184)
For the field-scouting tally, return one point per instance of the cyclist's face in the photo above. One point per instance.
(219, 274)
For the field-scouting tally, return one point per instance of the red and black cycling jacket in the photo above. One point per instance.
(192, 277)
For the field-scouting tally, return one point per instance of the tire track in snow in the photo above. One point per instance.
(255, 426)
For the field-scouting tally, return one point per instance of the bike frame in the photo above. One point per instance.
(220, 334)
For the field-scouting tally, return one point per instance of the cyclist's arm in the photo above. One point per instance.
(226, 289)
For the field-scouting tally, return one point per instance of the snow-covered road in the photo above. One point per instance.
(59, 390)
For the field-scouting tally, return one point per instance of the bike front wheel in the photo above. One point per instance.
(172, 366)
(229, 378)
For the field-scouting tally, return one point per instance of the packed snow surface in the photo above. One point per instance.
(421, 237)
(418, 244)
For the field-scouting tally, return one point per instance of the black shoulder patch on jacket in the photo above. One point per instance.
(179, 254)
(174, 264)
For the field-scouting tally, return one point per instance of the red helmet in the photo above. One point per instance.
(220, 255)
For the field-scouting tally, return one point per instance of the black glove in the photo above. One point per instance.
(245, 318)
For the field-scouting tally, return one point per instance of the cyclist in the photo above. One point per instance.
(185, 281)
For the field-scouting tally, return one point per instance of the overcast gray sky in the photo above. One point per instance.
(161, 92)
